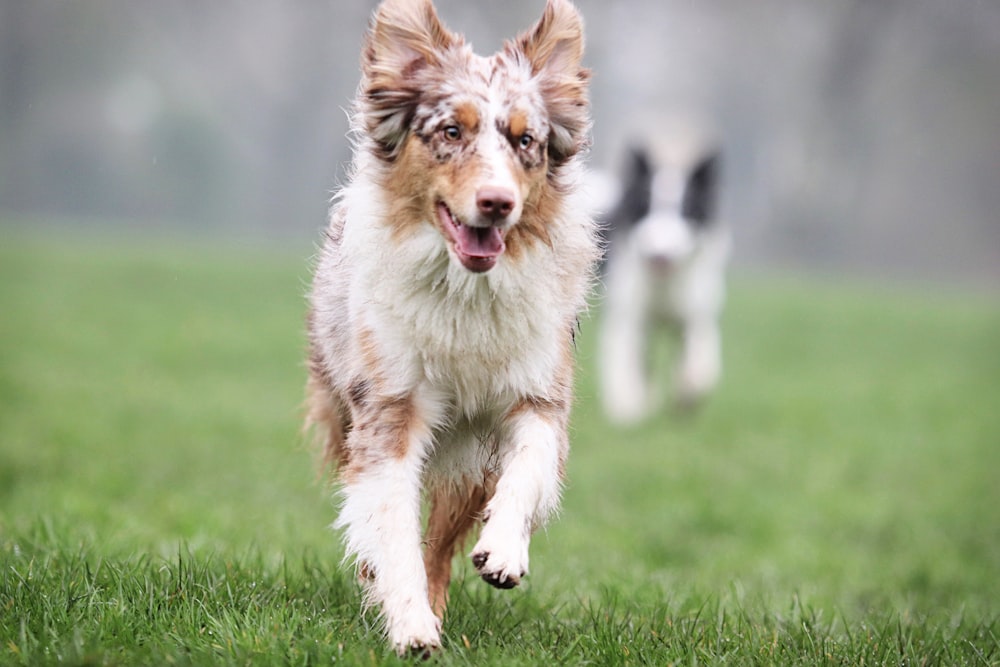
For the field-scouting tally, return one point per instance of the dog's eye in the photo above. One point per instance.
(452, 132)
(526, 141)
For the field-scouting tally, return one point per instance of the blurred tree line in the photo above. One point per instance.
(186, 113)
(858, 134)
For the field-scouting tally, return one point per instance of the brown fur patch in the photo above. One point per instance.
(467, 115)
(368, 350)
(408, 185)
(323, 410)
(518, 123)
(383, 430)
(454, 511)
(548, 409)
(541, 207)
(396, 419)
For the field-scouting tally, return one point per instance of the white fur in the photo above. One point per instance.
(527, 492)
(433, 370)
(467, 346)
(380, 515)
(473, 338)
(662, 272)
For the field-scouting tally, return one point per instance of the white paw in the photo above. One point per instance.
(501, 560)
(625, 412)
(694, 385)
(415, 632)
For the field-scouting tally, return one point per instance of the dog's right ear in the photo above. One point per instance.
(405, 36)
(638, 166)
(637, 190)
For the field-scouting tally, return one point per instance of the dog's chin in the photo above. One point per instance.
(476, 264)
(477, 248)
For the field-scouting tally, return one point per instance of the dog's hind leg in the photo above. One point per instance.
(454, 510)
(380, 516)
(533, 455)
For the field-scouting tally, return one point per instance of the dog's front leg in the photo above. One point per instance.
(381, 519)
(700, 362)
(533, 454)
(623, 358)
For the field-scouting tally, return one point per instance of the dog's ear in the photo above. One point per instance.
(638, 166)
(405, 37)
(405, 34)
(701, 192)
(637, 189)
(554, 49)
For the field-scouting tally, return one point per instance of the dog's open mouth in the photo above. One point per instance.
(477, 247)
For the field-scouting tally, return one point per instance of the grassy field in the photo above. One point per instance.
(837, 502)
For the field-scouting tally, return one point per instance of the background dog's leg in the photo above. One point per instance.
(455, 508)
(381, 518)
(700, 362)
(527, 491)
(622, 359)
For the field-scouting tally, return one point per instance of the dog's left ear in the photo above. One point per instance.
(554, 49)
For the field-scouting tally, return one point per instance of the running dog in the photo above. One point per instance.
(666, 266)
(444, 305)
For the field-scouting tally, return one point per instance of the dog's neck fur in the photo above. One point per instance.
(498, 333)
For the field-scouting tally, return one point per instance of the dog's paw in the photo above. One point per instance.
(498, 577)
(417, 635)
(501, 554)
(499, 569)
(418, 650)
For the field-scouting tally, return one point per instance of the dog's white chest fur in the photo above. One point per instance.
(472, 338)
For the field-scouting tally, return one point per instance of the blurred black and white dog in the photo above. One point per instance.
(666, 261)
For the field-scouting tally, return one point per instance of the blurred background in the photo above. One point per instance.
(861, 136)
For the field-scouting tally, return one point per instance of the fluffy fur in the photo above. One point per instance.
(444, 303)
(666, 267)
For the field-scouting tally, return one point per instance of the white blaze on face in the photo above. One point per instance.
(498, 170)
(664, 236)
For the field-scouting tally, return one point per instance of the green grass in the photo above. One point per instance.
(837, 502)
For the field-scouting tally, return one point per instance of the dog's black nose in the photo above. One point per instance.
(495, 203)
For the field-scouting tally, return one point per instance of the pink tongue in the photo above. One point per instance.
(480, 241)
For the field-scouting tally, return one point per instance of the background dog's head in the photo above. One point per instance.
(666, 207)
(473, 145)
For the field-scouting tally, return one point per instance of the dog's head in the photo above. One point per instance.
(473, 145)
(665, 207)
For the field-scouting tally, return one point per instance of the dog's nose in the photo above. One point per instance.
(495, 203)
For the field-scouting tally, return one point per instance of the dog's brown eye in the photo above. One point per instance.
(526, 141)
(452, 133)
